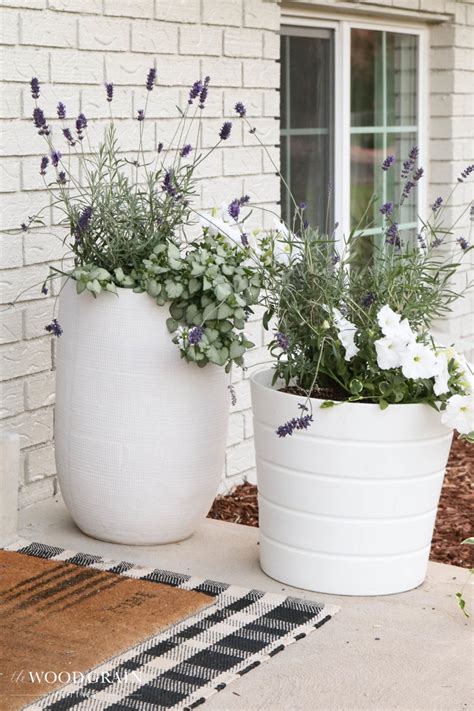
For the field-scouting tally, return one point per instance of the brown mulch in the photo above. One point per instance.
(454, 522)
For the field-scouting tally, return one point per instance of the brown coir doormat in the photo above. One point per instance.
(58, 618)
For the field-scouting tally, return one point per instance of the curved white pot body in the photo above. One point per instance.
(140, 433)
(348, 506)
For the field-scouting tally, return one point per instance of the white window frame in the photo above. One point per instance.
(342, 113)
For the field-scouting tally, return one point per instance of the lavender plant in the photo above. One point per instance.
(125, 219)
(357, 328)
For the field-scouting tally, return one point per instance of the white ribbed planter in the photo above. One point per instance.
(348, 506)
(140, 434)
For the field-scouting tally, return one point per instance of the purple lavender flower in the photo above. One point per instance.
(367, 300)
(151, 78)
(387, 208)
(195, 90)
(393, 236)
(406, 168)
(282, 341)
(81, 124)
(204, 92)
(68, 136)
(61, 110)
(421, 240)
(418, 174)
(109, 90)
(335, 259)
(83, 223)
(55, 158)
(437, 242)
(466, 173)
(414, 152)
(54, 328)
(303, 205)
(234, 209)
(159, 147)
(62, 177)
(240, 109)
(35, 88)
(463, 243)
(44, 165)
(195, 335)
(253, 130)
(40, 121)
(388, 162)
(437, 204)
(186, 150)
(24, 227)
(296, 423)
(167, 185)
(244, 200)
(44, 289)
(224, 133)
(244, 238)
(140, 115)
(407, 188)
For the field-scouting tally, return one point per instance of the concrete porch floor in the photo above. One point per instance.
(410, 652)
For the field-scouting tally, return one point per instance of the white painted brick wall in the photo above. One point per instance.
(76, 45)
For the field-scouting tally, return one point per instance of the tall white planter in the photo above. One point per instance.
(140, 433)
(348, 506)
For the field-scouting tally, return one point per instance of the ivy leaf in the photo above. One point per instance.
(224, 311)
(383, 404)
(236, 349)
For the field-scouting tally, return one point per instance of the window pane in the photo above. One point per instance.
(366, 179)
(366, 78)
(401, 79)
(307, 106)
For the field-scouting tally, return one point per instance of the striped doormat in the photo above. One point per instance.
(181, 667)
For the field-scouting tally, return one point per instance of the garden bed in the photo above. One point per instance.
(453, 523)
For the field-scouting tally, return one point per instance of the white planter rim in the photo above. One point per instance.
(262, 381)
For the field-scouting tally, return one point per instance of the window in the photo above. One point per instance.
(350, 95)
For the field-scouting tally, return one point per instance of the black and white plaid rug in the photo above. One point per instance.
(184, 665)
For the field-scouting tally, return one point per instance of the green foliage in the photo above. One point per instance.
(308, 292)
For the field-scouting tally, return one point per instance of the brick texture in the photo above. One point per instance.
(74, 46)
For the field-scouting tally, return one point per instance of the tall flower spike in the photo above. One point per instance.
(204, 92)
(54, 327)
(141, 115)
(68, 136)
(224, 133)
(44, 165)
(109, 90)
(240, 109)
(40, 121)
(186, 150)
(83, 222)
(151, 78)
(388, 162)
(195, 90)
(35, 88)
(61, 110)
(55, 158)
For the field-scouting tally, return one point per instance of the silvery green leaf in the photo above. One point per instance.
(153, 288)
(171, 325)
(224, 311)
(111, 287)
(173, 289)
(222, 291)
(236, 349)
(80, 287)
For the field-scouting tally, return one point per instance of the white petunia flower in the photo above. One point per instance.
(389, 353)
(346, 332)
(182, 334)
(419, 361)
(441, 385)
(388, 320)
(390, 349)
(459, 413)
